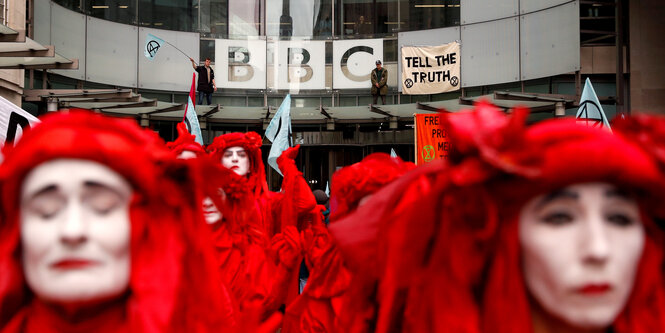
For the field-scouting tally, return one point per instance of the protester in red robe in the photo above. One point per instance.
(317, 309)
(458, 245)
(271, 212)
(185, 146)
(353, 185)
(102, 231)
(276, 207)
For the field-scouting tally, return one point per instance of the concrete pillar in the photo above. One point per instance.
(145, 120)
(51, 104)
(559, 109)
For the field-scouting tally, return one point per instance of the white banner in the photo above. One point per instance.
(13, 121)
(430, 69)
(300, 65)
(240, 64)
(353, 61)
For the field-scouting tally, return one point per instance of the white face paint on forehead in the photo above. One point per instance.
(186, 154)
(580, 249)
(75, 231)
(236, 159)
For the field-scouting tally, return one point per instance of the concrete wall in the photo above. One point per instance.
(12, 80)
(647, 55)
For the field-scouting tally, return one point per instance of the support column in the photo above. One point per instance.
(145, 120)
(51, 104)
(559, 109)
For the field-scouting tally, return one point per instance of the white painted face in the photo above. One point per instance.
(75, 231)
(186, 154)
(580, 249)
(211, 214)
(236, 159)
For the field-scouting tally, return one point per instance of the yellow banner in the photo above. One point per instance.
(430, 69)
(432, 142)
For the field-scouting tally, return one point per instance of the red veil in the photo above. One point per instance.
(437, 250)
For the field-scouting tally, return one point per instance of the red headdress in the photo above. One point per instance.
(185, 142)
(354, 182)
(173, 282)
(251, 142)
(439, 246)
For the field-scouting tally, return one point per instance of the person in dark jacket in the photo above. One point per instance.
(206, 82)
(379, 78)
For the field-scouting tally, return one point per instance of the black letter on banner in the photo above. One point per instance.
(239, 69)
(15, 120)
(345, 58)
(304, 56)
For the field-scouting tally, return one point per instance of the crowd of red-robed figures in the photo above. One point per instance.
(438, 248)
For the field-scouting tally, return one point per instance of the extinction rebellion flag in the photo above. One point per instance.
(430, 69)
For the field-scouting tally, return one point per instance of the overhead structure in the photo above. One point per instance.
(20, 52)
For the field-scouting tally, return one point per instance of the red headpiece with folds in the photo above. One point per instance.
(185, 142)
(440, 244)
(169, 240)
(251, 142)
(354, 182)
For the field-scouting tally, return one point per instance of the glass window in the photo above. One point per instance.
(429, 14)
(207, 50)
(244, 18)
(347, 101)
(179, 15)
(445, 96)
(214, 18)
(299, 18)
(232, 100)
(326, 101)
(255, 101)
(300, 102)
(74, 5)
(275, 102)
(367, 100)
(366, 19)
(121, 11)
(323, 20)
(390, 50)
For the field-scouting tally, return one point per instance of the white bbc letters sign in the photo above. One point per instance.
(300, 65)
(240, 64)
(353, 61)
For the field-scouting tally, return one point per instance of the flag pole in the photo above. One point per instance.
(185, 54)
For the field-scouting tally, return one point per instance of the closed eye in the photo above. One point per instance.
(102, 198)
(620, 219)
(46, 202)
(557, 218)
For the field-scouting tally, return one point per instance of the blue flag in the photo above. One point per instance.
(152, 45)
(190, 118)
(591, 112)
(393, 153)
(279, 132)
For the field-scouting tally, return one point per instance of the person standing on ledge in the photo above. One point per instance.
(379, 78)
(206, 85)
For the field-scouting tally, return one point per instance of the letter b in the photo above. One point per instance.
(298, 70)
(239, 67)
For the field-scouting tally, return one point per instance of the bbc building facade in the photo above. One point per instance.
(533, 52)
